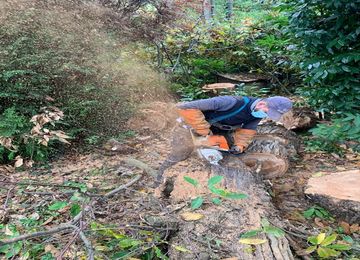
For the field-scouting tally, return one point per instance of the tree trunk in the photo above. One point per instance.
(339, 192)
(272, 150)
(216, 235)
(229, 9)
(208, 10)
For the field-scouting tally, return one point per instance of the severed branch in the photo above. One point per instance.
(37, 234)
(112, 193)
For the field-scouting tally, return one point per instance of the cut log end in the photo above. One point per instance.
(338, 192)
(269, 165)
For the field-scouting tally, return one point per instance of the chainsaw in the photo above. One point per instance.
(210, 147)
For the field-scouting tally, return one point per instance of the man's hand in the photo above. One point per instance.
(218, 86)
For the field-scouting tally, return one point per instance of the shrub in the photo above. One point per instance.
(63, 55)
(328, 34)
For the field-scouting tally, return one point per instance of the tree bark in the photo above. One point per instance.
(216, 236)
(208, 10)
(229, 9)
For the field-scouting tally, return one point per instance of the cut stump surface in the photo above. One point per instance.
(339, 192)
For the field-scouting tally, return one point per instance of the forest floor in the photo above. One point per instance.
(45, 197)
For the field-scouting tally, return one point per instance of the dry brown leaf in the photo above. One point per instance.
(48, 221)
(345, 226)
(191, 216)
(319, 223)
(354, 228)
(19, 161)
(52, 249)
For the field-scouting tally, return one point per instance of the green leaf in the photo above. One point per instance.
(319, 213)
(340, 247)
(264, 222)
(234, 195)
(327, 252)
(252, 241)
(160, 254)
(275, 231)
(328, 240)
(191, 181)
(310, 249)
(320, 238)
(251, 233)
(75, 209)
(197, 202)
(58, 205)
(181, 249)
(308, 213)
(216, 201)
(348, 239)
(220, 192)
(313, 240)
(129, 242)
(214, 180)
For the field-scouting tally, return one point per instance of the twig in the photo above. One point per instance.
(141, 165)
(124, 186)
(61, 254)
(37, 234)
(7, 197)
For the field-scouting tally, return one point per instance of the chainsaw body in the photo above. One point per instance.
(210, 147)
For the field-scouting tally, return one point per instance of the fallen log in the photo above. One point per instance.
(216, 235)
(300, 119)
(338, 192)
(273, 148)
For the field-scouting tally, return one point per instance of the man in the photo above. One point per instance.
(227, 122)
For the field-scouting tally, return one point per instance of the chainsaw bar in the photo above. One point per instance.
(213, 156)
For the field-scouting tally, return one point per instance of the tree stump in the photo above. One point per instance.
(216, 235)
(273, 148)
(338, 192)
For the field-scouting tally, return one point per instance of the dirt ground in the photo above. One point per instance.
(103, 170)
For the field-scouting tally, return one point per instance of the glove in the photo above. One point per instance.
(217, 141)
(196, 119)
(242, 138)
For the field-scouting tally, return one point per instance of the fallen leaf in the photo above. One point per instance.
(340, 168)
(191, 216)
(318, 174)
(35, 216)
(319, 223)
(252, 241)
(53, 250)
(19, 162)
(181, 249)
(354, 228)
(346, 227)
(47, 221)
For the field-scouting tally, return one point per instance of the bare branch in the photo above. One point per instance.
(111, 193)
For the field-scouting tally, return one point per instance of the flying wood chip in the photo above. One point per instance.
(190, 216)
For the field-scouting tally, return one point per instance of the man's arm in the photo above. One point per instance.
(191, 112)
